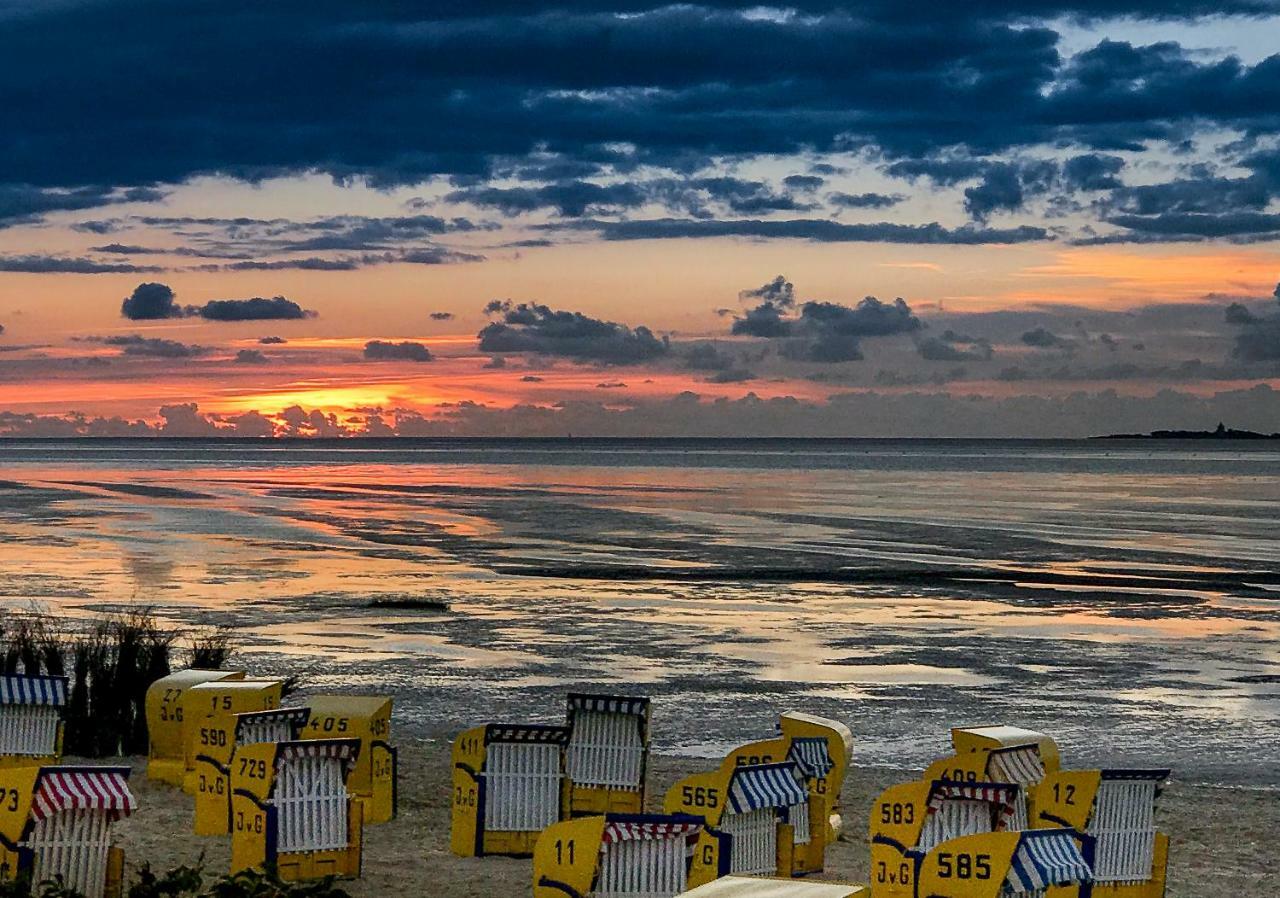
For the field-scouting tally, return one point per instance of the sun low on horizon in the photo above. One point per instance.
(805, 220)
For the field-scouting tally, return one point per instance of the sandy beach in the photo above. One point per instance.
(1221, 835)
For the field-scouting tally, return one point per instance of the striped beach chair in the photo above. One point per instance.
(31, 719)
(608, 753)
(625, 856)
(219, 738)
(509, 784)
(822, 750)
(291, 808)
(760, 797)
(1000, 754)
(764, 808)
(911, 819)
(367, 718)
(1002, 865)
(1115, 811)
(55, 824)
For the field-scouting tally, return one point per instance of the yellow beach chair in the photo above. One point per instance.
(209, 711)
(908, 820)
(608, 753)
(1027, 864)
(291, 809)
(509, 785)
(617, 855)
(765, 808)
(367, 718)
(31, 719)
(55, 823)
(165, 721)
(219, 739)
(1112, 813)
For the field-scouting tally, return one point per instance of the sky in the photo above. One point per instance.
(1033, 218)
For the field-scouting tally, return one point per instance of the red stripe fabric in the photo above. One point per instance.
(82, 790)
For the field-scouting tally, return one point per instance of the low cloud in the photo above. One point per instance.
(1258, 337)
(441, 316)
(407, 351)
(864, 200)
(816, 230)
(536, 328)
(39, 264)
(151, 347)
(251, 357)
(256, 309)
(953, 347)
(1043, 338)
(151, 302)
(822, 332)
(154, 301)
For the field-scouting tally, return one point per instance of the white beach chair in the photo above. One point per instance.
(607, 753)
(760, 797)
(31, 714)
(66, 815)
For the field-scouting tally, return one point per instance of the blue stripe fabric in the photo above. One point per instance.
(18, 689)
(811, 755)
(1046, 858)
(757, 786)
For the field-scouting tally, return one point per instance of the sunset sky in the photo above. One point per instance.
(1032, 218)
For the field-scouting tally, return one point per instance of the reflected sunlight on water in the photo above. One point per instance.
(1124, 596)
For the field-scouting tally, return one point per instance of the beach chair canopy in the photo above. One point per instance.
(1016, 764)
(624, 830)
(812, 755)
(82, 788)
(278, 725)
(757, 786)
(637, 706)
(544, 733)
(19, 689)
(1043, 858)
(344, 750)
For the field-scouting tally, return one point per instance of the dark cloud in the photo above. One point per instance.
(407, 351)
(151, 302)
(611, 385)
(1005, 187)
(39, 264)
(251, 357)
(272, 341)
(823, 332)
(441, 316)
(536, 328)
(397, 92)
(255, 309)
(495, 363)
(1043, 338)
(768, 318)
(1092, 171)
(1258, 337)
(23, 203)
(573, 198)
(953, 347)
(818, 230)
(864, 200)
(151, 347)
(531, 379)
(124, 249)
(803, 182)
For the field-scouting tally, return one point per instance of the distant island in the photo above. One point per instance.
(1221, 433)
